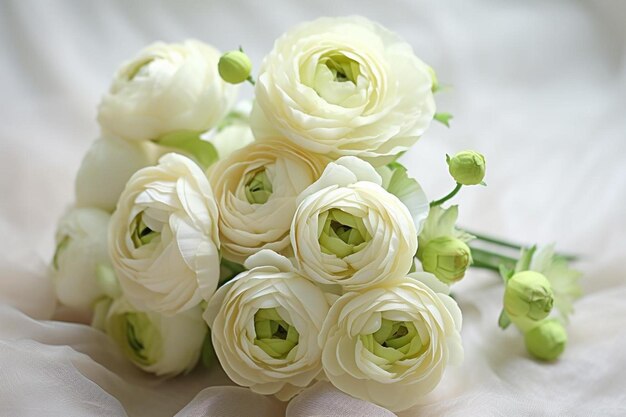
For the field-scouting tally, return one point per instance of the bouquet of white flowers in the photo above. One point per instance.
(285, 236)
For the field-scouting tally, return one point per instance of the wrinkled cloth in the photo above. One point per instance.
(538, 87)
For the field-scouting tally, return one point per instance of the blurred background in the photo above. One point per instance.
(538, 86)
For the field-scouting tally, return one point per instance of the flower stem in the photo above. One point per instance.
(251, 80)
(491, 260)
(447, 197)
(512, 245)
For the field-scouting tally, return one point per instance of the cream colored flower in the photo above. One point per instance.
(344, 86)
(164, 89)
(256, 189)
(156, 343)
(348, 230)
(106, 168)
(265, 324)
(390, 345)
(81, 240)
(163, 238)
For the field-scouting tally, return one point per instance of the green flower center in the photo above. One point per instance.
(273, 334)
(258, 188)
(140, 233)
(137, 336)
(394, 341)
(342, 234)
(341, 67)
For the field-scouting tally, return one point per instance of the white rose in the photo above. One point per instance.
(344, 86)
(391, 345)
(265, 324)
(162, 345)
(106, 168)
(164, 89)
(348, 230)
(81, 245)
(163, 237)
(256, 189)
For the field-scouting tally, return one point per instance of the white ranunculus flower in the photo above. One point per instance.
(164, 89)
(348, 230)
(265, 325)
(81, 240)
(390, 345)
(162, 345)
(344, 86)
(256, 189)
(106, 168)
(163, 237)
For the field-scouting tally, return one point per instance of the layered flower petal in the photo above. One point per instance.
(344, 86)
(163, 237)
(264, 326)
(390, 345)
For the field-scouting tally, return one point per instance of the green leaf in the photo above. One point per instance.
(190, 143)
(443, 118)
(504, 320)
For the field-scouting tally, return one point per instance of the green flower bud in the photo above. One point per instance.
(447, 258)
(342, 234)
(273, 334)
(547, 340)
(528, 294)
(467, 167)
(234, 67)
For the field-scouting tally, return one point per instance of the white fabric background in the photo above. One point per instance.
(538, 86)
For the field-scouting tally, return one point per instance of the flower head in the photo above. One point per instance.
(349, 230)
(234, 67)
(166, 88)
(442, 247)
(528, 294)
(344, 86)
(81, 240)
(256, 189)
(163, 237)
(563, 280)
(162, 345)
(547, 340)
(447, 258)
(390, 345)
(467, 167)
(264, 326)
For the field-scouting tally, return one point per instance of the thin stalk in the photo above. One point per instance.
(512, 245)
(491, 260)
(447, 197)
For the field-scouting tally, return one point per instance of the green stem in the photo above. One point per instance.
(447, 197)
(512, 245)
(491, 260)
(251, 80)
